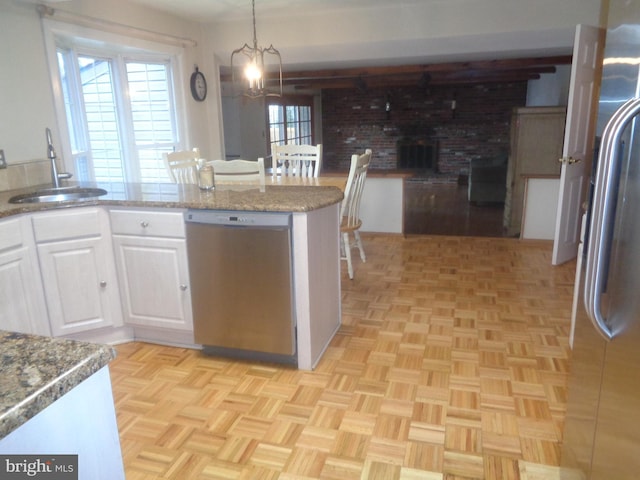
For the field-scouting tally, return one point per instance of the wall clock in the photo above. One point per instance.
(198, 86)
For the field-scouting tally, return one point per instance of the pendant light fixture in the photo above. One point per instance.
(251, 60)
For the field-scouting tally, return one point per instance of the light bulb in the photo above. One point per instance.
(252, 72)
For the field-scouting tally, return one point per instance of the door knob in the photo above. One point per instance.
(569, 160)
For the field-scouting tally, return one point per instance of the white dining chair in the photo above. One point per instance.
(238, 171)
(182, 166)
(350, 209)
(296, 160)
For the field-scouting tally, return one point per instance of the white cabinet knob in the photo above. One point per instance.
(103, 284)
(183, 287)
(144, 224)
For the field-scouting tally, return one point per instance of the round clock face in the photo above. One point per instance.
(198, 86)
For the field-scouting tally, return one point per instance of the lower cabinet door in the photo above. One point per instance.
(153, 276)
(22, 307)
(79, 284)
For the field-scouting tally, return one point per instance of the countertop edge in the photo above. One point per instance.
(80, 361)
(275, 198)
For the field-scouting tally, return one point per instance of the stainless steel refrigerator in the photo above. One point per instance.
(602, 426)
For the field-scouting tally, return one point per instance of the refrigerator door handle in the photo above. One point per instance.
(602, 213)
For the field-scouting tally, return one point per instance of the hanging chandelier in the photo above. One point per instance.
(251, 60)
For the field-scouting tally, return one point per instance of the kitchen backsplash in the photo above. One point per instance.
(26, 174)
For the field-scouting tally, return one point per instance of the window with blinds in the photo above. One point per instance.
(120, 113)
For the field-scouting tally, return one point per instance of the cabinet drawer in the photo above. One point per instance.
(72, 223)
(147, 223)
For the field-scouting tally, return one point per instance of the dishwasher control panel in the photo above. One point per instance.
(236, 218)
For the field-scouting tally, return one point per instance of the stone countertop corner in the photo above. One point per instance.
(37, 370)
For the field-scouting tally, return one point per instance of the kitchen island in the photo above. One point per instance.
(55, 399)
(140, 211)
(269, 198)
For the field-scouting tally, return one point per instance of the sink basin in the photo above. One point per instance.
(62, 194)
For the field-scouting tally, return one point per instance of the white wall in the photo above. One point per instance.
(551, 89)
(26, 101)
(434, 29)
(438, 30)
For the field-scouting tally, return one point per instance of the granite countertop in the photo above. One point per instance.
(37, 370)
(291, 197)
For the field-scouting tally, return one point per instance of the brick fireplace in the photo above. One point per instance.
(455, 124)
(418, 155)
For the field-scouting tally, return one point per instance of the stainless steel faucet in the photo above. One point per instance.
(51, 154)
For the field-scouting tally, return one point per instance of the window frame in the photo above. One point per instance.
(82, 39)
(288, 101)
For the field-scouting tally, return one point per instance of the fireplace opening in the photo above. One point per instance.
(418, 155)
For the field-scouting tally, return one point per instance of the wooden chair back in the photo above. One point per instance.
(238, 171)
(296, 160)
(182, 166)
(350, 209)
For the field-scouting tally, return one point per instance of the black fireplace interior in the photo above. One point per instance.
(418, 155)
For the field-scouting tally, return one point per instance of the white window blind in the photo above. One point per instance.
(119, 107)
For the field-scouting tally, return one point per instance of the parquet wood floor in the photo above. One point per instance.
(451, 364)
(444, 209)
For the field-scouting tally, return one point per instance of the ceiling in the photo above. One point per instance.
(215, 11)
(372, 74)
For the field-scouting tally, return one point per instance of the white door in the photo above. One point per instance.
(578, 139)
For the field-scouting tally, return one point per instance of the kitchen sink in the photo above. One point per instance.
(62, 194)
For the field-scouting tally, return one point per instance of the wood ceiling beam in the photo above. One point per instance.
(509, 64)
(407, 81)
(506, 70)
(442, 78)
(471, 74)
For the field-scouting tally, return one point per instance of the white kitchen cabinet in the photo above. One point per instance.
(22, 304)
(151, 258)
(77, 268)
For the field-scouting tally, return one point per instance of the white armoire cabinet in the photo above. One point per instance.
(537, 135)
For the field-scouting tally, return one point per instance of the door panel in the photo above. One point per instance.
(578, 140)
(76, 285)
(154, 282)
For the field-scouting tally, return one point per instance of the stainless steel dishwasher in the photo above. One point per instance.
(240, 267)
